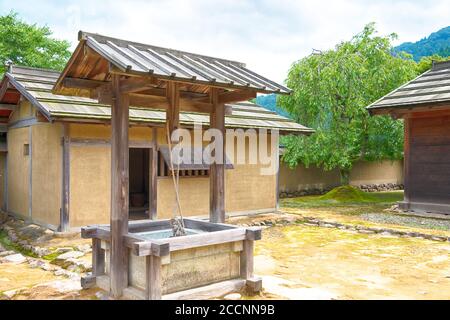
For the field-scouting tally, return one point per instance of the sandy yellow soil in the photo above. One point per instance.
(302, 262)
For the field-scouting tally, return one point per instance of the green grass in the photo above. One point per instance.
(345, 197)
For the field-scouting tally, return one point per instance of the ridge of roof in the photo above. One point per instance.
(83, 35)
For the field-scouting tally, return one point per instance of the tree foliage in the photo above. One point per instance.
(30, 45)
(331, 92)
(427, 62)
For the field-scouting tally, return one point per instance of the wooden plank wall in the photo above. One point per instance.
(429, 172)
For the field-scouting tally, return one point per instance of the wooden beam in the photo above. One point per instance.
(217, 170)
(97, 232)
(173, 109)
(153, 196)
(65, 208)
(155, 102)
(7, 107)
(234, 96)
(137, 84)
(119, 188)
(4, 88)
(77, 83)
(206, 239)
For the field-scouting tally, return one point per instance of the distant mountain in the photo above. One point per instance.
(269, 102)
(437, 43)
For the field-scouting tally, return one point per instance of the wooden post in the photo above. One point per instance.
(246, 263)
(153, 267)
(254, 284)
(153, 202)
(64, 220)
(407, 160)
(217, 171)
(119, 187)
(173, 111)
(98, 258)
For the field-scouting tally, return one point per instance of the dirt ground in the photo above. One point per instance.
(302, 262)
(299, 261)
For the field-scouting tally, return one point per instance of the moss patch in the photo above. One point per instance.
(348, 194)
(9, 245)
(348, 197)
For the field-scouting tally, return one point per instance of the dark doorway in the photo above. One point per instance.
(139, 183)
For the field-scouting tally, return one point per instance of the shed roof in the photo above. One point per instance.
(431, 87)
(36, 86)
(162, 63)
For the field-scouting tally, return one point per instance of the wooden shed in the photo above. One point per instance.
(55, 157)
(424, 104)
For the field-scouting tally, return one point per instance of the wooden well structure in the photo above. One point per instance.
(424, 104)
(122, 73)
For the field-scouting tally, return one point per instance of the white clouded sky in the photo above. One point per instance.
(267, 35)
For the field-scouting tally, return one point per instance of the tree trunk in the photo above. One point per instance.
(345, 176)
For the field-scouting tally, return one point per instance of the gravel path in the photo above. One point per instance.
(409, 221)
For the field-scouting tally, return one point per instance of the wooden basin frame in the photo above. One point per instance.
(157, 253)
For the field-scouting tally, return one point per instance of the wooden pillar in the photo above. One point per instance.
(173, 111)
(153, 202)
(217, 171)
(119, 188)
(246, 261)
(98, 258)
(153, 267)
(64, 219)
(407, 160)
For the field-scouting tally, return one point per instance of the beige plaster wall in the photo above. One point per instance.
(302, 178)
(18, 172)
(2, 177)
(46, 173)
(245, 188)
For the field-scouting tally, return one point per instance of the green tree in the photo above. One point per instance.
(426, 63)
(30, 45)
(331, 91)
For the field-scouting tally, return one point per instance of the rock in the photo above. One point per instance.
(310, 224)
(23, 243)
(40, 251)
(102, 295)
(62, 286)
(86, 248)
(233, 296)
(363, 231)
(10, 294)
(63, 250)
(15, 258)
(6, 253)
(438, 238)
(49, 232)
(79, 265)
(70, 255)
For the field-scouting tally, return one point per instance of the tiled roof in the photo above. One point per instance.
(36, 85)
(431, 87)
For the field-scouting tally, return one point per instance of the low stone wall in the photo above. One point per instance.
(287, 219)
(320, 191)
(381, 187)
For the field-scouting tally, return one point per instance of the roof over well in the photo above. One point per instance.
(96, 54)
(36, 86)
(430, 89)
